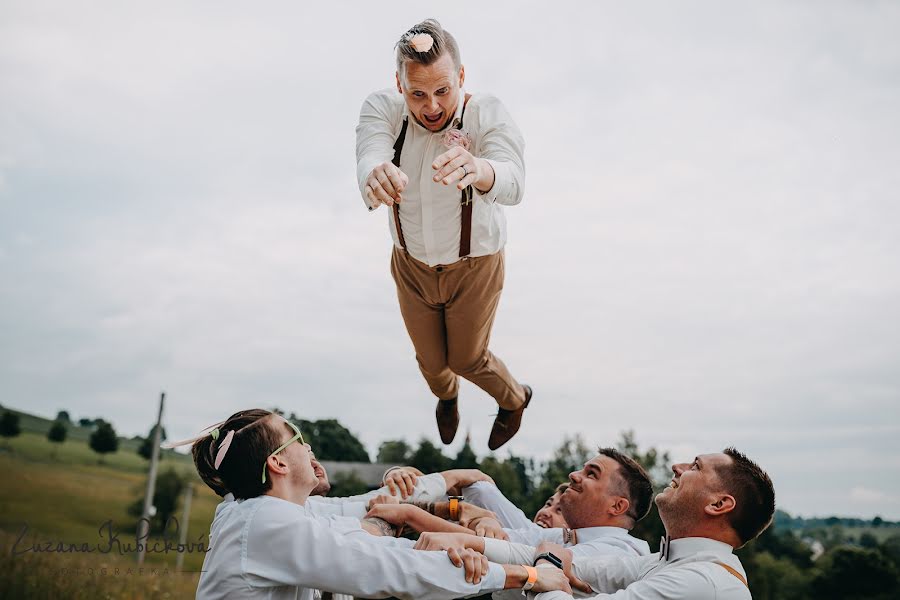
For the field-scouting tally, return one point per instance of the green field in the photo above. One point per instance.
(63, 494)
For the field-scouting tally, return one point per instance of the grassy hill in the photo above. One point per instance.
(63, 493)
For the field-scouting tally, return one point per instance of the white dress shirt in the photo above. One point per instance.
(430, 212)
(427, 488)
(592, 542)
(270, 548)
(689, 573)
(486, 495)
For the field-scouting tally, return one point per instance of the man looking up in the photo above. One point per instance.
(603, 502)
(714, 504)
(444, 163)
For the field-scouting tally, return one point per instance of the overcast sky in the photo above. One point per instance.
(708, 251)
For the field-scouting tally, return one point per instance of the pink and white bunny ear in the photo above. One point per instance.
(206, 432)
(223, 448)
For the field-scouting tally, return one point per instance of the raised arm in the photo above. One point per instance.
(380, 182)
(503, 147)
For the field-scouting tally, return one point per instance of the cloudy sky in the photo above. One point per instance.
(708, 251)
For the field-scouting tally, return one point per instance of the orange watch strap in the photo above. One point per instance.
(454, 509)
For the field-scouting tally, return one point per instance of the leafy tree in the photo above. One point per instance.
(394, 452)
(508, 477)
(347, 484)
(85, 422)
(57, 434)
(428, 458)
(103, 440)
(9, 425)
(169, 487)
(466, 458)
(891, 549)
(331, 441)
(855, 573)
(63, 416)
(658, 467)
(877, 521)
(867, 540)
(146, 447)
(772, 577)
(657, 464)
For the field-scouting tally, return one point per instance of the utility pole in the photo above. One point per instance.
(144, 525)
(185, 516)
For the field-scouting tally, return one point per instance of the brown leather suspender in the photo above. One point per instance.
(734, 572)
(465, 230)
(398, 148)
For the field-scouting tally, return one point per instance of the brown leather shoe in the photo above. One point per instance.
(507, 422)
(447, 413)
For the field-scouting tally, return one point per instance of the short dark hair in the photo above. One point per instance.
(240, 473)
(636, 482)
(444, 42)
(560, 489)
(753, 492)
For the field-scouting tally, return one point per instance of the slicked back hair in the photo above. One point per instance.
(753, 492)
(637, 486)
(444, 43)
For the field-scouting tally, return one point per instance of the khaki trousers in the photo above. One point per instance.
(449, 312)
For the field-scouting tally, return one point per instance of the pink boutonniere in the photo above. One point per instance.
(457, 137)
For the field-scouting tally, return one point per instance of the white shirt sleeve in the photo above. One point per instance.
(487, 495)
(535, 535)
(282, 549)
(375, 135)
(502, 145)
(675, 584)
(508, 553)
(344, 507)
(428, 488)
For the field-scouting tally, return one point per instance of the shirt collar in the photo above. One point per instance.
(587, 534)
(676, 549)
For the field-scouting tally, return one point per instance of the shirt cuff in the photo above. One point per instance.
(430, 487)
(389, 469)
(501, 179)
(495, 580)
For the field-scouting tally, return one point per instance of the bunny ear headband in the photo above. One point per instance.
(212, 430)
(214, 434)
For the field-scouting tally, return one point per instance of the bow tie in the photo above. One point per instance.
(664, 543)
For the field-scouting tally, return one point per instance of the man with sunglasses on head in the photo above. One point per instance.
(266, 544)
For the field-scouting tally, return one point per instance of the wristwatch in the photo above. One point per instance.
(550, 558)
(454, 507)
